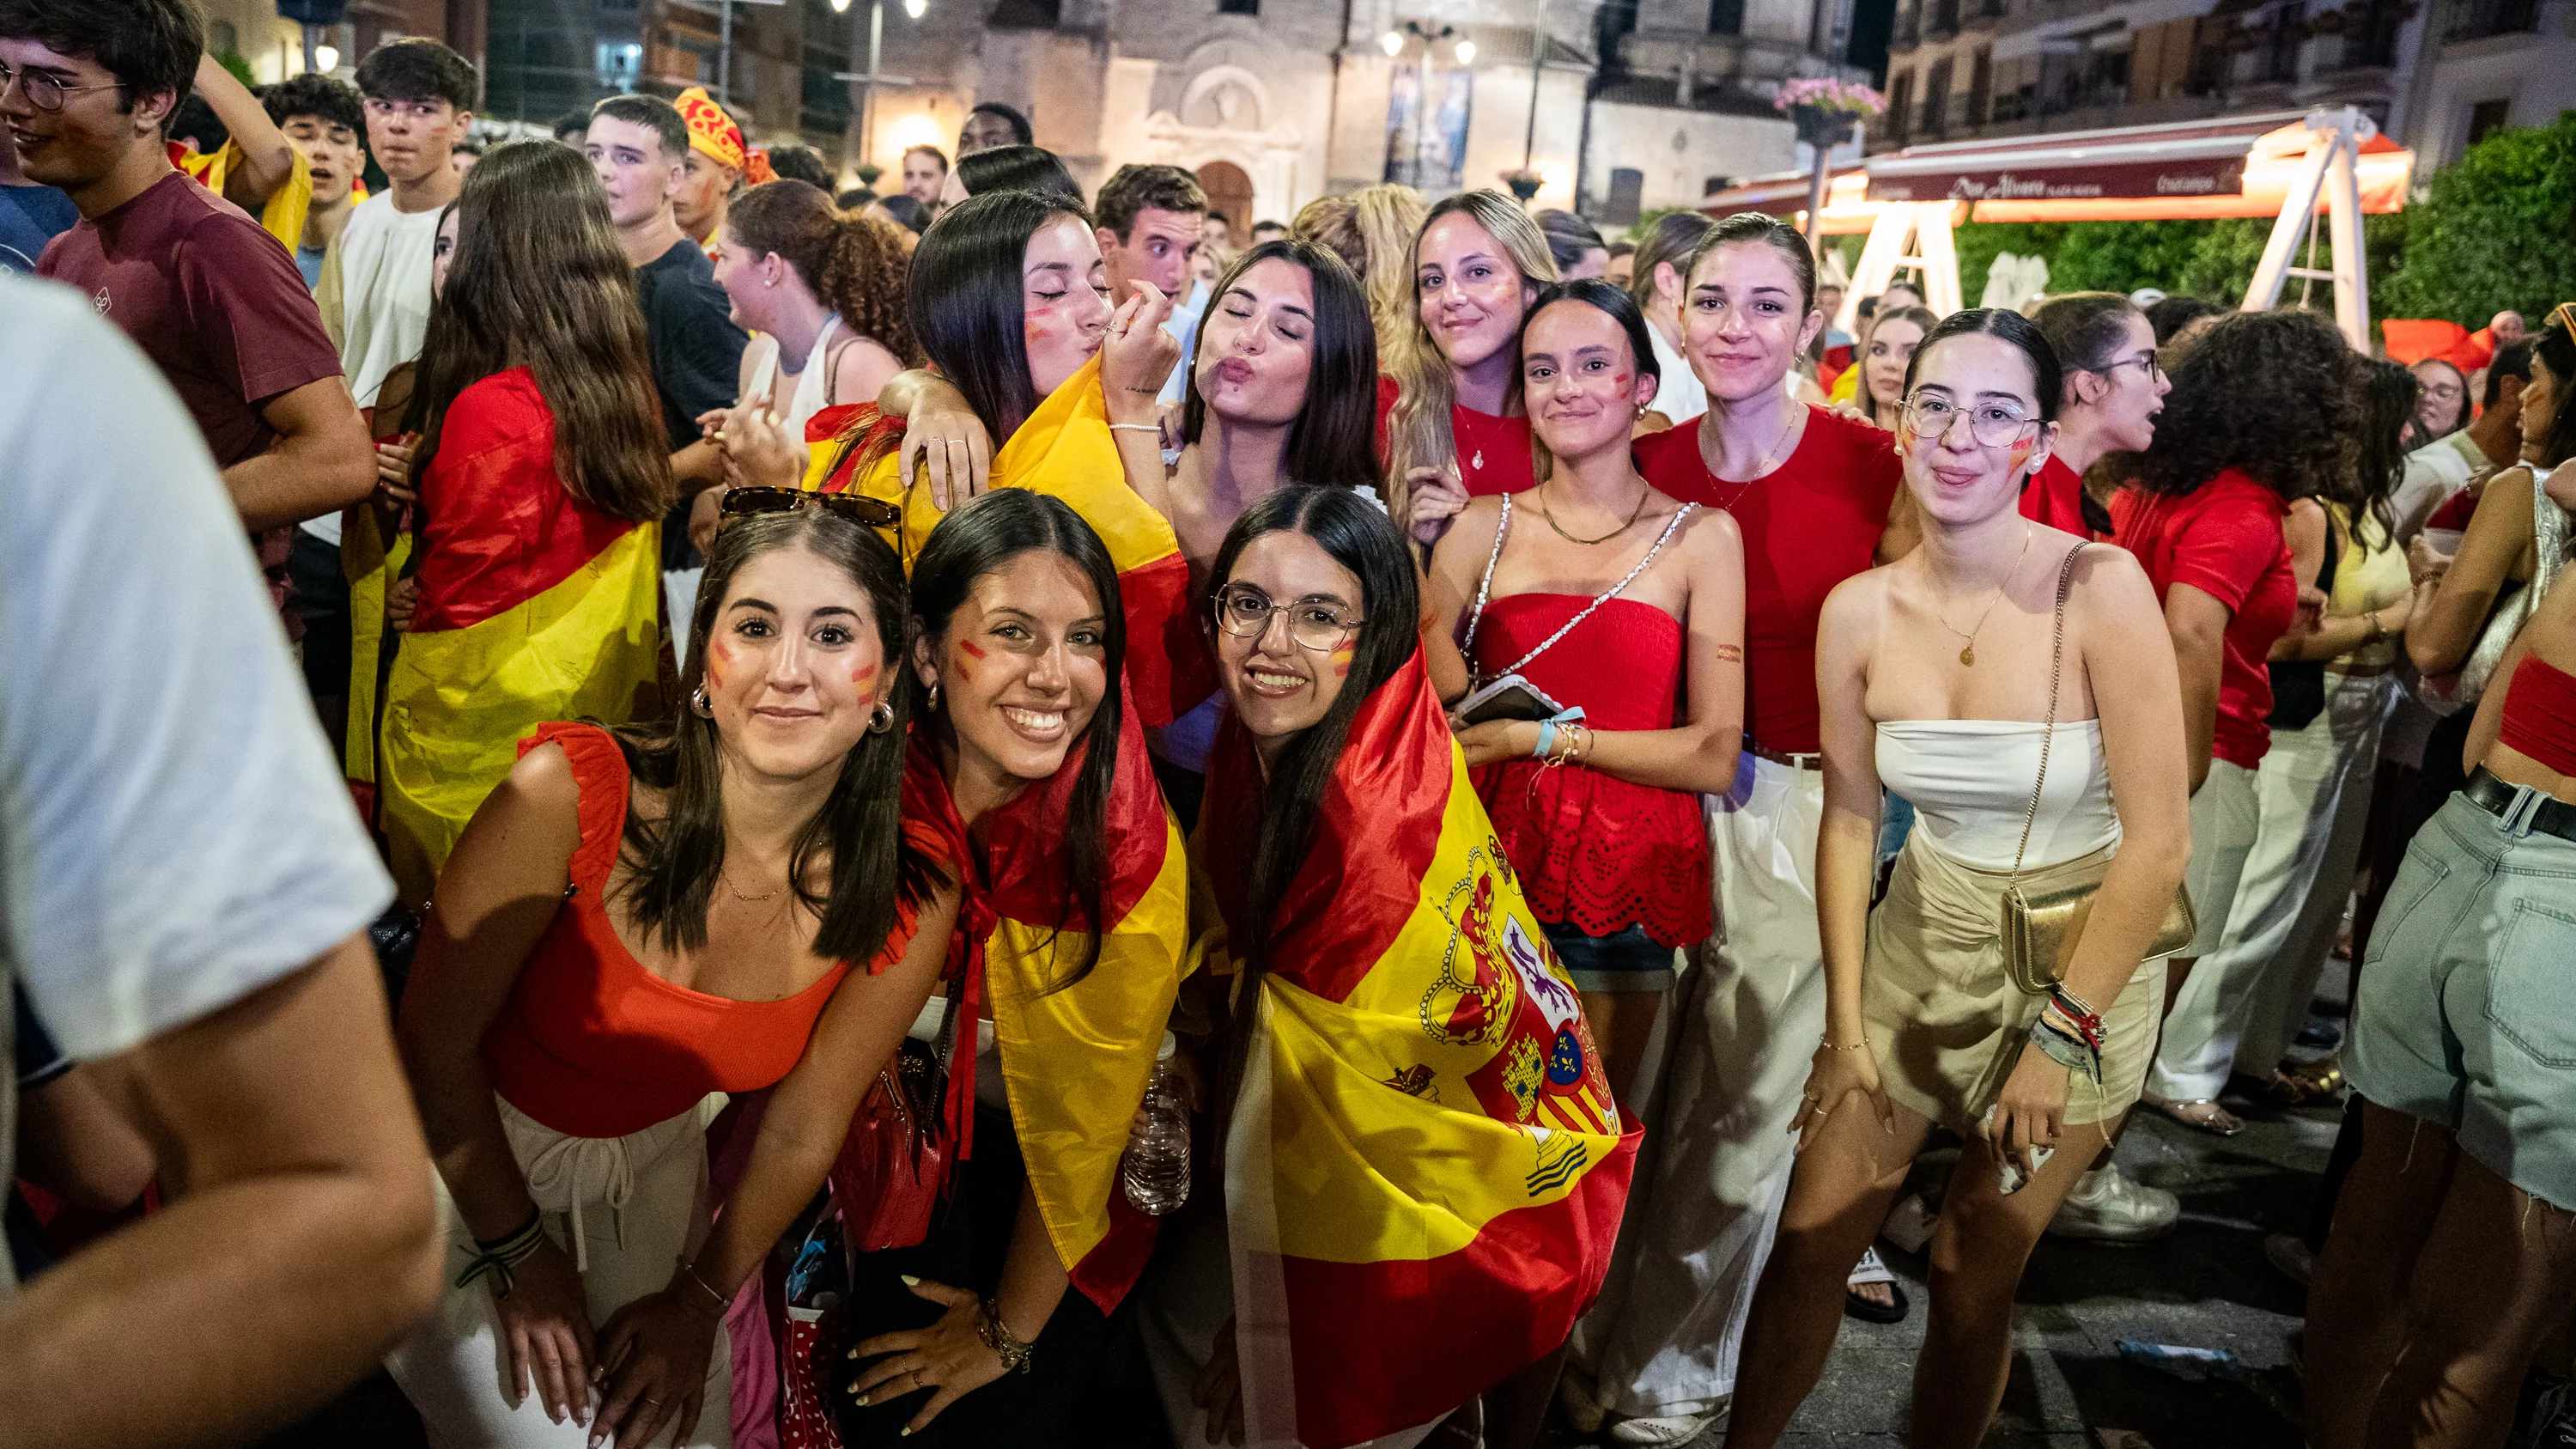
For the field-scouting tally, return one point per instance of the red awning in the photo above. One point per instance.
(2191, 159)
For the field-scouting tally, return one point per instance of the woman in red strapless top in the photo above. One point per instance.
(1611, 598)
(633, 922)
(1457, 429)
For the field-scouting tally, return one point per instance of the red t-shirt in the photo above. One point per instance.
(2055, 496)
(1808, 524)
(2225, 540)
(210, 297)
(1493, 453)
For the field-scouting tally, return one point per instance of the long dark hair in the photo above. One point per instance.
(1332, 439)
(2008, 326)
(2388, 396)
(538, 278)
(1923, 317)
(977, 538)
(672, 862)
(967, 303)
(2266, 393)
(2087, 328)
(2554, 345)
(1358, 535)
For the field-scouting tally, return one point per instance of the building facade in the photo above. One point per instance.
(2434, 74)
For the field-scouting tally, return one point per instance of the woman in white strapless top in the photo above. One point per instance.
(1940, 676)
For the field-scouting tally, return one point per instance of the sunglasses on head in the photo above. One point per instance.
(856, 507)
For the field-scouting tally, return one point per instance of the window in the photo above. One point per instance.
(1981, 86)
(1900, 103)
(1936, 98)
(1238, 7)
(1726, 17)
(2486, 118)
(1627, 196)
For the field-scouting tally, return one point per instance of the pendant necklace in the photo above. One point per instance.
(737, 891)
(1644, 492)
(1761, 469)
(1968, 650)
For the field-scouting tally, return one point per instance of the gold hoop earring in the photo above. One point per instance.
(698, 704)
(881, 718)
(933, 704)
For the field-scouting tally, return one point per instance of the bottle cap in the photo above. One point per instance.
(1171, 1046)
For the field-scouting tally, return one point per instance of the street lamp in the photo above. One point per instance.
(1391, 43)
(1466, 52)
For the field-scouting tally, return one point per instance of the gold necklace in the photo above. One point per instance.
(1968, 651)
(737, 890)
(1760, 470)
(1645, 491)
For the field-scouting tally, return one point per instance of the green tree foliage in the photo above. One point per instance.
(2496, 232)
(234, 61)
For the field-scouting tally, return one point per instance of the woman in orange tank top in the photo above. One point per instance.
(634, 923)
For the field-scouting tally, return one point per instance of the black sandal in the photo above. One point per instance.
(1871, 1269)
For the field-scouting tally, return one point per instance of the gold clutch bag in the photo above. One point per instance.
(2039, 930)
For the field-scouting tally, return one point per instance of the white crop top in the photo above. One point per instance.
(1969, 781)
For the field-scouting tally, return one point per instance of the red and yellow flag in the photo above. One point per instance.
(1076, 1059)
(1425, 1171)
(532, 608)
(1064, 449)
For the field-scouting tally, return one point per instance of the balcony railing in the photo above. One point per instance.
(2478, 19)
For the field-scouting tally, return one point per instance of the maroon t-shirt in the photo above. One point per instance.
(210, 297)
(1808, 524)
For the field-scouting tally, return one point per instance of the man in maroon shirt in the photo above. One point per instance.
(86, 87)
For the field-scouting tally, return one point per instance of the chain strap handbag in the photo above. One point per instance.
(2040, 930)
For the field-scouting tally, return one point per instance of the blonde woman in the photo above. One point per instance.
(1456, 424)
(1372, 229)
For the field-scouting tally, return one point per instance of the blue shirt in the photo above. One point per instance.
(31, 216)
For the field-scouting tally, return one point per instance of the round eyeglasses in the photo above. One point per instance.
(42, 91)
(1318, 625)
(1929, 417)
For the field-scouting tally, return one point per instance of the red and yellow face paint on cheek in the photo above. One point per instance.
(969, 654)
(864, 675)
(719, 655)
(1342, 660)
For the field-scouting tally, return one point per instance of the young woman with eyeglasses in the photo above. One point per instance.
(2065, 691)
(2115, 389)
(1412, 1110)
(635, 920)
(1610, 597)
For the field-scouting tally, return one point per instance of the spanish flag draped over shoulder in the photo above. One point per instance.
(1425, 1170)
(1076, 1060)
(533, 607)
(1064, 449)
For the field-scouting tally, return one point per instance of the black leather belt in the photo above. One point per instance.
(2494, 796)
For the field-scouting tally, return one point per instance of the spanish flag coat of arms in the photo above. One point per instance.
(1425, 1169)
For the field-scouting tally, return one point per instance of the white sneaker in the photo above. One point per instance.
(1675, 1429)
(2108, 1207)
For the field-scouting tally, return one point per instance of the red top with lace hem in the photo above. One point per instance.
(1594, 852)
(591, 1043)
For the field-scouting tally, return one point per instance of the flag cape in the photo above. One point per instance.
(1075, 1061)
(1065, 449)
(543, 636)
(1425, 1170)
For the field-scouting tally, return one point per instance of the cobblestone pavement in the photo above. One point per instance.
(2205, 1286)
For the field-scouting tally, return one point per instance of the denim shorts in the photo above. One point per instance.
(1626, 960)
(2465, 1014)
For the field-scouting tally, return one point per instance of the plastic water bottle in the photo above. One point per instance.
(1156, 1172)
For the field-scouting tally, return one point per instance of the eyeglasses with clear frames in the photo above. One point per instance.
(42, 91)
(1929, 417)
(1316, 625)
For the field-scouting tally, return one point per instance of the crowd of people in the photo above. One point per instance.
(982, 814)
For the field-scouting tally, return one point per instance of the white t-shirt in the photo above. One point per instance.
(173, 835)
(1678, 393)
(385, 257)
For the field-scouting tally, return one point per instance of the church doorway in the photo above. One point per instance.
(1229, 190)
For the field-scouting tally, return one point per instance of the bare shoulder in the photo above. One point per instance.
(1713, 533)
(2109, 583)
(541, 782)
(1470, 537)
(1853, 610)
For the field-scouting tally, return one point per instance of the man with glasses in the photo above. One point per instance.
(214, 300)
